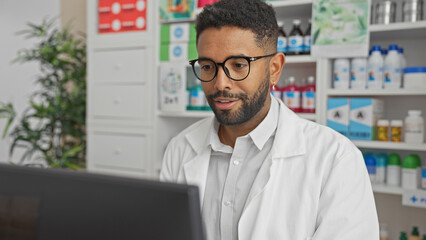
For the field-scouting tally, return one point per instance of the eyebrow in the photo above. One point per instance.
(238, 55)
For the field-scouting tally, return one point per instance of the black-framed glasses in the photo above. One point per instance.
(237, 68)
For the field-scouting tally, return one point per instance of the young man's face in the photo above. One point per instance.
(234, 102)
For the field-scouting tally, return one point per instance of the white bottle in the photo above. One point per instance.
(341, 73)
(359, 73)
(392, 68)
(414, 128)
(403, 64)
(375, 69)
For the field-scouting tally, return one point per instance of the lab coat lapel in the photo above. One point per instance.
(196, 169)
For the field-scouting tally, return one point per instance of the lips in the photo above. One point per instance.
(225, 103)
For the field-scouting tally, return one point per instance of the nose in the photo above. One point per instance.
(222, 81)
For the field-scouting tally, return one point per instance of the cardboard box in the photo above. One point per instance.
(177, 33)
(172, 86)
(364, 114)
(338, 115)
(178, 52)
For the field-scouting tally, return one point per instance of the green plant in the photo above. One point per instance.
(53, 127)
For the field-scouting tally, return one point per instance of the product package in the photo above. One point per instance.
(172, 87)
(364, 113)
(338, 115)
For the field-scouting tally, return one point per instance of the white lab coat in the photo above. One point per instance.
(314, 186)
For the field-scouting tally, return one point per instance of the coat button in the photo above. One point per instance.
(227, 203)
(236, 162)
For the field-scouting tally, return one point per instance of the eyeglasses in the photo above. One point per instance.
(236, 68)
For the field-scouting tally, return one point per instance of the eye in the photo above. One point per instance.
(240, 65)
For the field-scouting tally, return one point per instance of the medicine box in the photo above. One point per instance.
(172, 86)
(178, 51)
(364, 113)
(177, 33)
(338, 115)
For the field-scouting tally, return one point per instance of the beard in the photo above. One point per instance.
(251, 105)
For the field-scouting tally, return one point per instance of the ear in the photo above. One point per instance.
(275, 67)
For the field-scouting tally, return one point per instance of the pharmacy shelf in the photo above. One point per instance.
(186, 114)
(391, 145)
(378, 92)
(381, 188)
(289, 3)
(204, 114)
(300, 59)
(401, 29)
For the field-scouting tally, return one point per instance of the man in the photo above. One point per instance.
(263, 172)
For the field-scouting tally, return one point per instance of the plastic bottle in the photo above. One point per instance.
(341, 73)
(307, 39)
(402, 56)
(383, 130)
(295, 39)
(410, 172)
(308, 96)
(403, 236)
(359, 73)
(370, 162)
(197, 97)
(375, 69)
(291, 95)
(384, 235)
(415, 235)
(392, 68)
(381, 165)
(277, 92)
(393, 177)
(282, 38)
(396, 130)
(414, 128)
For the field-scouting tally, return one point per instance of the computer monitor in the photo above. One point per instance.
(49, 204)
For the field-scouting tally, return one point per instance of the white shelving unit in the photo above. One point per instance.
(379, 92)
(390, 145)
(380, 188)
(403, 29)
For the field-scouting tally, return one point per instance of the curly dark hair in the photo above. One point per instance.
(253, 15)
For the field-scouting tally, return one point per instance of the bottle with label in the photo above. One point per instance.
(403, 64)
(411, 172)
(384, 235)
(375, 69)
(415, 235)
(291, 95)
(381, 166)
(392, 68)
(307, 40)
(308, 96)
(341, 73)
(393, 177)
(413, 126)
(295, 39)
(359, 73)
(197, 97)
(282, 38)
(396, 130)
(382, 130)
(370, 162)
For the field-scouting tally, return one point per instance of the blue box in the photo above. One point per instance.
(364, 114)
(338, 115)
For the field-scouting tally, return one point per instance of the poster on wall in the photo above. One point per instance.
(115, 16)
(177, 9)
(340, 28)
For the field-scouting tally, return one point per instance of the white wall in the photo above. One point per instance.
(17, 80)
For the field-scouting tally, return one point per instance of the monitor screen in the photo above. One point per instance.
(49, 204)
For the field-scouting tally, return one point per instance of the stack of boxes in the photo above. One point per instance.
(178, 42)
(355, 118)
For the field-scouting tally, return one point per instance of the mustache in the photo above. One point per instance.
(226, 94)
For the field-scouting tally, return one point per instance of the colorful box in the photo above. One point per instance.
(172, 86)
(177, 33)
(364, 113)
(178, 51)
(338, 115)
(176, 10)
